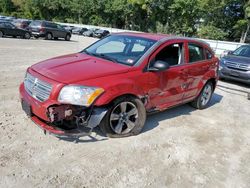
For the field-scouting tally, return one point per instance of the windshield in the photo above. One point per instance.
(242, 51)
(120, 48)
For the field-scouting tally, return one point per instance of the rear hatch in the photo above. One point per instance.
(35, 26)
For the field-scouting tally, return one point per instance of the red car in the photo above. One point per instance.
(116, 81)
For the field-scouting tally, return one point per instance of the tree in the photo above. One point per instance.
(211, 32)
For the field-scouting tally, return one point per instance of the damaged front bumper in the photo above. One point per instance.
(61, 120)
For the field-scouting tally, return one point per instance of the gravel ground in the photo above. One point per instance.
(180, 147)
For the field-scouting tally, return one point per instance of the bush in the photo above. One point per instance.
(211, 32)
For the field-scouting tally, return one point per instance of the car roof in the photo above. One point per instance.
(158, 37)
(152, 36)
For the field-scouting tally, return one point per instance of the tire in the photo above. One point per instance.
(67, 37)
(27, 35)
(49, 36)
(202, 101)
(1, 34)
(126, 116)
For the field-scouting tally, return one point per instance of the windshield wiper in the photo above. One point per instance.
(107, 57)
(101, 55)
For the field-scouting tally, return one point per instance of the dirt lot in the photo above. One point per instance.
(181, 147)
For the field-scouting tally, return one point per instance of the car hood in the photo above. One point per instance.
(77, 67)
(237, 59)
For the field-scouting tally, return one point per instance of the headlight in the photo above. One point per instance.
(222, 61)
(79, 95)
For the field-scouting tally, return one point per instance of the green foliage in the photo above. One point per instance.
(211, 32)
(227, 19)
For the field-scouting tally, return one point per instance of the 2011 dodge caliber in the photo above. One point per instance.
(116, 81)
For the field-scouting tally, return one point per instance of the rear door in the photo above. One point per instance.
(61, 31)
(166, 87)
(197, 66)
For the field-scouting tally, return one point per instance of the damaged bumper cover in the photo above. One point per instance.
(77, 132)
(61, 120)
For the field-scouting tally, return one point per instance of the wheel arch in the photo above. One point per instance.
(108, 101)
(213, 81)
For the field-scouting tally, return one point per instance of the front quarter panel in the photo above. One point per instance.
(131, 83)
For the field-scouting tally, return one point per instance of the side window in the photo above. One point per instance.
(8, 25)
(51, 25)
(59, 27)
(195, 53)
(111, 47)
(209, 55)
(172, 54)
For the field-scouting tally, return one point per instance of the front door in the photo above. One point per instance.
(10, 29)
(167, 87)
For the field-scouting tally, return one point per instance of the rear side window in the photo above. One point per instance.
(208, 54)
(51, 25)
(8, 25)
(195, 53)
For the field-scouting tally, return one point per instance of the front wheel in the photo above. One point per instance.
(67, 37)
(204, 97)
(48, 36)
(27, 35)
(125, 117)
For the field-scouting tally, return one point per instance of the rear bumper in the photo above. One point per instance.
(36, 34)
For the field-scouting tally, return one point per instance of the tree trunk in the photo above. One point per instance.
(242, 36)
(245, 34)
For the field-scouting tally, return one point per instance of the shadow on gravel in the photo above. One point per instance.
(232, 90)
(241, 84)
(154, 119)
(151, 122)
(87, 139)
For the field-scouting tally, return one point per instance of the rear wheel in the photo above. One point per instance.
(1, 34)
(125, 117)
(48, 36)
(67, 37)
(204, 97)
(27, 35)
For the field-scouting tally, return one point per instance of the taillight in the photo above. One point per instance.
(42, 29)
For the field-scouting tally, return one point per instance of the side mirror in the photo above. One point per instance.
(158, 66)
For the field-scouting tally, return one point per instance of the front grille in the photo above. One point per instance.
(36, 88)
(237, 66)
